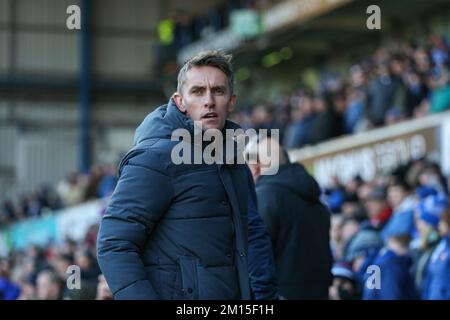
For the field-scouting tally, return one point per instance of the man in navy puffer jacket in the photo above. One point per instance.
(181, 230)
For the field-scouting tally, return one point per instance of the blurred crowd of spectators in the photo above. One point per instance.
(49, 273)
(192, 26)
(400, 81)
(76, 188)
(183, 28)
(399, 223)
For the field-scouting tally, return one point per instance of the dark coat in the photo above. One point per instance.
(299, 225)
(180, 231)
(396, 282)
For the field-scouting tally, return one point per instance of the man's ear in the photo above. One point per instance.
(178, 98)
(232, 102)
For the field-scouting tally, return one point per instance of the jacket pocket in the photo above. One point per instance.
(189, 278)
(218, 283)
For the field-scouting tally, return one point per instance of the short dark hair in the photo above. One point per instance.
(212, 58)
(53, 277)
(400, 183)
(402, 239)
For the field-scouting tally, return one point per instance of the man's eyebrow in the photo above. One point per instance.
(223, 87)
(196, 87)
(202, 87)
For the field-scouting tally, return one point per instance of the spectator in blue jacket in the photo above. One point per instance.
(187, 230)
(8, 289)
(395, 281)
(403, 204)
(437, 285)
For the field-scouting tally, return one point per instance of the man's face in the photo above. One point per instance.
(374, 207)
(46, 289)
(423, 227)
(395, 196)
(206, 96)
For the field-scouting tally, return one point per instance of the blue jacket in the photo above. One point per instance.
(8, 290)
(184, 231)
(401, 222)
(396, 282)
(437, 280)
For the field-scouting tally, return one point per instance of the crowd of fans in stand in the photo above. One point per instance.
(44, 273)
(76, 188)
(400, 81)
(399, 223)
(188, 27)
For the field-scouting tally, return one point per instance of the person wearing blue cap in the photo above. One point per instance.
(437, 282)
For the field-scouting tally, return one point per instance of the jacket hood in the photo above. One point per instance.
(162, 122)
(293, 176)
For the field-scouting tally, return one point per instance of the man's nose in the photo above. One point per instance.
(209, 101)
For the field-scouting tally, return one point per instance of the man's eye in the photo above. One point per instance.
(220, 91)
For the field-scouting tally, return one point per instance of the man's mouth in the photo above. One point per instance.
(210, 115)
